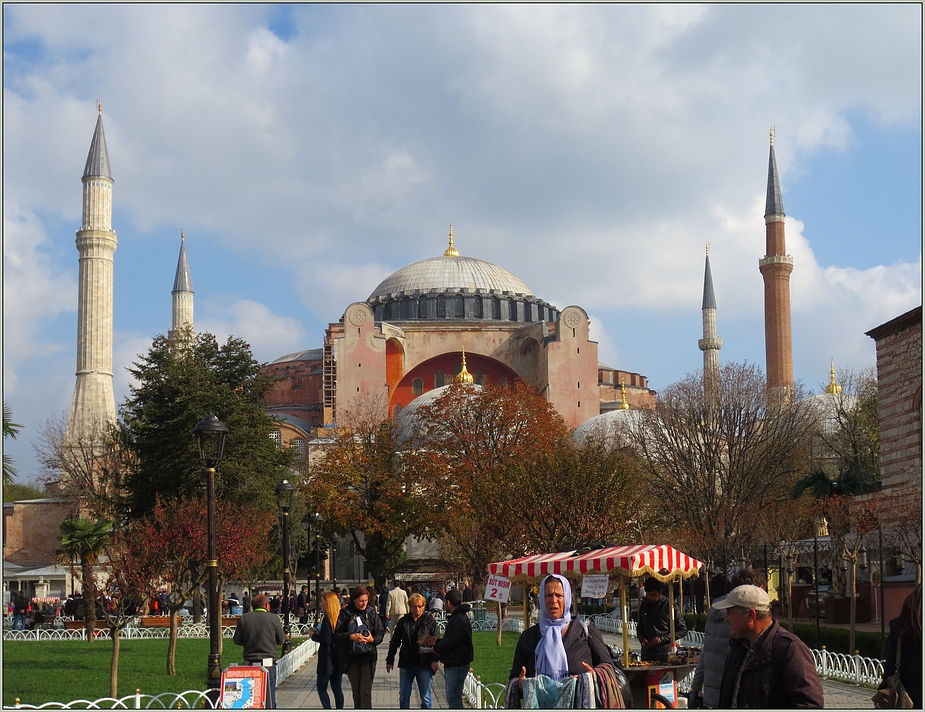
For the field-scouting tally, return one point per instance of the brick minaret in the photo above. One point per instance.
(776, 267)
(182, 295)
(94, 403)
(710, 344)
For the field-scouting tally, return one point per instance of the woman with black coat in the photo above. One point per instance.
(331, 664)
(359, 630)
(414, 664)
(907, 628)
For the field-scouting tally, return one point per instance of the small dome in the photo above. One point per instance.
(407, 419)
(605, 425)
(449, 274)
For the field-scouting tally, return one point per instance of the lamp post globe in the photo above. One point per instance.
(210, 433)
(284, 493)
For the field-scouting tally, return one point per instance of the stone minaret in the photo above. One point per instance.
(776, 267)
(182, 296)
(94, 403)
(710, 344)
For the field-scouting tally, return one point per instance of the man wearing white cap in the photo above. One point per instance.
(767, 666)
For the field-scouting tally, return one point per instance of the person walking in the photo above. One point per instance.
(905, 647)
(331, 663)
(358, 632)
(454, 649)
(415, 663)
(709, 672)
(397, 605)
(260, 633)
(767, 666)
(301, 604)
(654, 625)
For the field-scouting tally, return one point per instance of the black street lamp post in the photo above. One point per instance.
(284, 492)
(211, 433)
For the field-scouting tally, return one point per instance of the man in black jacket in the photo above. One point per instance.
(455, 648)
(654, 626)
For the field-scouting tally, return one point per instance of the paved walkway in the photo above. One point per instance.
(300, 690)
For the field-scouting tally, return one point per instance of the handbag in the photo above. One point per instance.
(894, 695)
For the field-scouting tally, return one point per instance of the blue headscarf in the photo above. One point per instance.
(550, 654)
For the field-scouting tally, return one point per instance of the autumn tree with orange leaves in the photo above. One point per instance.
(368, 486)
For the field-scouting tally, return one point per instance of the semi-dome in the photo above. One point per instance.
(607, 426)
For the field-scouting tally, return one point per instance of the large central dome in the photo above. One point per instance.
(450, 274)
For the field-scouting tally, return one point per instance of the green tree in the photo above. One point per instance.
(86, 539)
(10, 430)
(15, 492)
(175, 388)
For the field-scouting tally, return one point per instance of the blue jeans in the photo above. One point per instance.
(406, 678)
(455, 678)
(19, 621)
(271, 688)
(335, 682)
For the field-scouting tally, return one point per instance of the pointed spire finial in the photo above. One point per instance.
(708, 248)
(464, 376)
(182, 236)
(451, 251)
(99, 106)
(833, 388)
(623, 404)
(772, 135)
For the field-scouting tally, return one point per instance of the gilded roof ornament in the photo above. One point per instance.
(99, 106)
(464, 376)
(451, 251)
(833, 388)
(623, 404)
(772, 135)
(708, 248)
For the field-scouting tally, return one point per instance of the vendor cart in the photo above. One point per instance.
(661, 561)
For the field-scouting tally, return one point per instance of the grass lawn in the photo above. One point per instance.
(64, 670)
(493, 664)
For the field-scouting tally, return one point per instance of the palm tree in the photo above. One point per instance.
(848, 483)
(11, 430)
(85, 539)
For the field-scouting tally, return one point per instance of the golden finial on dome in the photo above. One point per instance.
(464, 376)
(623, 405)
(833, 388)
(451, 251)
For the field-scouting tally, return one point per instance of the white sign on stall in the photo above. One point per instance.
(498, 589)
(594, 586)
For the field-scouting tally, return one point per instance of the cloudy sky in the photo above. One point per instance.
(309, 151)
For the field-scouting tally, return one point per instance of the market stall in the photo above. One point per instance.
(659, 560)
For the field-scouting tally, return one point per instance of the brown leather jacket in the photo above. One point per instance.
(781, 673)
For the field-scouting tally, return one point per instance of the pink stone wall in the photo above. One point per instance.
(31, 530)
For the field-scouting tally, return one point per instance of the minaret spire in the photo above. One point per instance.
(94, 403)
(182, 295)
(710, 344)
(775, 268)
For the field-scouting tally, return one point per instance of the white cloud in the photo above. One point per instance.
(268, 334)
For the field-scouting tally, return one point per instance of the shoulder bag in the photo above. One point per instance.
(894, 695)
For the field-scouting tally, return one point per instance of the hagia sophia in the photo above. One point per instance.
(413, 333)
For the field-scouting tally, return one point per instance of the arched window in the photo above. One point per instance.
(298, 447)
(512, 310)
(460, 306)
(477, 307)
(441, 307)
(528, 311)
(422, 309)
(495, 308)
(406, 308)
(439, 379)
(417, 386)
(277, 438)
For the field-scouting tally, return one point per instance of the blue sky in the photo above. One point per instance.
(309, 151)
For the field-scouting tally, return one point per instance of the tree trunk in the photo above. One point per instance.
(172, 643)
(197, 605)
(114, 667)
(89, 596)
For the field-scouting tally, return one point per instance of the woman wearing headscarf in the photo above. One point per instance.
(558, 646)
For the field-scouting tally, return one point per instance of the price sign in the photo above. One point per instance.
(498, 589)
(594, 586)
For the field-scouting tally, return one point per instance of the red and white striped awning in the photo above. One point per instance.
(636, 560)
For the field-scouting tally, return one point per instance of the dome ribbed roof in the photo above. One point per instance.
(449, 274)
